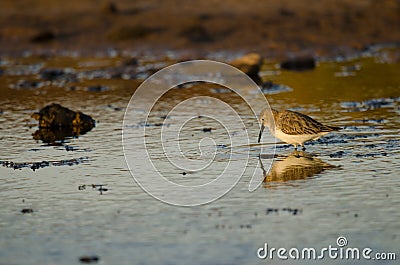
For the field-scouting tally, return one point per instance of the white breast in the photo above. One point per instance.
(298, 139)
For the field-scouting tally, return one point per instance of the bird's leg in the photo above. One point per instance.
(303, 147)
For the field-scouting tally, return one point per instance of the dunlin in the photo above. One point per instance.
(293, 127)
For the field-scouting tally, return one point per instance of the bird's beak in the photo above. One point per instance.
(261, 131)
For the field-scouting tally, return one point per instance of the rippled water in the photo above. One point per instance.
(345, 184)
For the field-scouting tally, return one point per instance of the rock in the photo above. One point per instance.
(97, 88)
(55, 136)
(89, 259)
(55, 116)
(299, 64)
(27, 210)
(123, 33)
(131, 62)
(55, 74)
(196, 33)
(109, 8)
(250, 64)
(51, 74)
(43, 36)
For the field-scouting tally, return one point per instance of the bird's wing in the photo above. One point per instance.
(293, 123)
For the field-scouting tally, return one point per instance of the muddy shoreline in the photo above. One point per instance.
(196, 29)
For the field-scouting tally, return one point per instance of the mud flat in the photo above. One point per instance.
(267, 27)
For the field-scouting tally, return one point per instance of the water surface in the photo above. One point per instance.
(346, 184)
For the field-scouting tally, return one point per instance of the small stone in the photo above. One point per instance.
(109, 8)
(27, 210)
(96, 88)
(43, 36)
(299, 64)
(89, 259)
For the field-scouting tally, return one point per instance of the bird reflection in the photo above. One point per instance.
(297, 165)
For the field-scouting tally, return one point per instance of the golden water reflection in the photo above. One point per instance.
(297, 165)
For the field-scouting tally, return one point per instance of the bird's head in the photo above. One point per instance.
(267, 119)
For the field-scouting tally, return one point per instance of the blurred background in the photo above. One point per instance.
(270, 27)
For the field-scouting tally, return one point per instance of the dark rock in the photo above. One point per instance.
(51, 74)
(337, 154)
(89, 259)
(96, 88)
(57, 74)
(299, 64)
(43, 36)
(250, 64)
(55, 136)
(286, 12)
(57, 116)
(27, 210)
(56, 123)
(130, 32)
(196, 33)
(109, 8)
(272, 210)
(131, 62)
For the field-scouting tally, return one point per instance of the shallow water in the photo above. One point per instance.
(346, 184)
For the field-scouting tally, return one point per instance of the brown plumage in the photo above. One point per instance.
(292, 122)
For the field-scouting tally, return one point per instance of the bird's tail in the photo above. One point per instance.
(334, 128)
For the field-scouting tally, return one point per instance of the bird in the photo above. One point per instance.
(293, 127)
